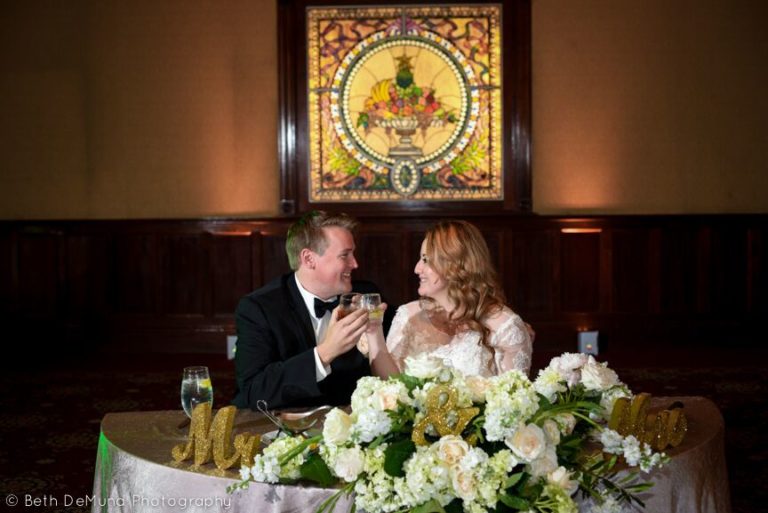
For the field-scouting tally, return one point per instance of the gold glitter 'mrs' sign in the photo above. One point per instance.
(659, 430)
(208, 439)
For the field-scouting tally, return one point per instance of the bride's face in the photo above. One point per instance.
(431, 284)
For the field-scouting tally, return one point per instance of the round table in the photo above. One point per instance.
(135, 472)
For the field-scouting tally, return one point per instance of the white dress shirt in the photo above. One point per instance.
(320, 325)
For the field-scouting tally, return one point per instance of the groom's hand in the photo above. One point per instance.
(342, 335)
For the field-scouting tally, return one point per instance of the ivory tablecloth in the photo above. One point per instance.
(135, 471)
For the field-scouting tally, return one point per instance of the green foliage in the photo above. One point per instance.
(429, 507)
(396, 454)
(315, 469)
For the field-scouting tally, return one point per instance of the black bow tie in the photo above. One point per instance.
(321, 307)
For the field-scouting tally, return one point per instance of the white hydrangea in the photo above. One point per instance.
(609, 397)
(511, 400)
(370, 423)
(378, 492)
(266, 467)
(549, 382)
(425, 478)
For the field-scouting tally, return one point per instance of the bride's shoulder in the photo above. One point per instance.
(502, 318)
(409, 309)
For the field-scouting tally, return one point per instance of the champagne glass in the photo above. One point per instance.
(196, 388)
(372, 303)
(348, 303)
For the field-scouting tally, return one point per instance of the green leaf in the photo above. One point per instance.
(429, 507)
(514, 502)
(315, 469)
(455, 506)
(512, 480)
(410, 382)
(395, 455)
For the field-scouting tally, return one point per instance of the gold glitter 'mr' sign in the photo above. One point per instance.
(442, 415)
(659, 430)
(208, 439)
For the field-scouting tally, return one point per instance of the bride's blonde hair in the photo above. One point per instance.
(457, 251)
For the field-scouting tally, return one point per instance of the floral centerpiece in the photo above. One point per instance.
(434, 440)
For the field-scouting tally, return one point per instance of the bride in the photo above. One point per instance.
(460, 317)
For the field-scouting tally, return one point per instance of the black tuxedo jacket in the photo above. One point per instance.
(275, 360)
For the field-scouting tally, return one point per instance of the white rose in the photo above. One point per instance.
(451, 449)
(527, 443)
(423, 366)
(545, 463)
(464, 484)
(596, 376)
(349, 463)
(337, 427)
(477, 385)
(552, 430)
(567, 422)
(387, 396)
(562, 478)
(569, 366)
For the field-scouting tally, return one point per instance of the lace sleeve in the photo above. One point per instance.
(396, 334)
(512, 344)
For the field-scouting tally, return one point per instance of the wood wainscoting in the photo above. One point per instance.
(172, 285)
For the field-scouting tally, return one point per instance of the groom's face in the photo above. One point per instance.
(334, 267)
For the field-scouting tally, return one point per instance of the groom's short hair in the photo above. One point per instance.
(307, 232)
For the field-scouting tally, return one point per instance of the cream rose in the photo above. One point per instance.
(527, 443)
(562, 478)
(567, 422)
(337, 427)
(349, 463)
(464, 484)
(596, 376)
(545, 463)
(477, 386)
(552, 431)
(451, 449)
(387, 397)
(423, 366)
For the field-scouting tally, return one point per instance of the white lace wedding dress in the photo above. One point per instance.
(419, 327)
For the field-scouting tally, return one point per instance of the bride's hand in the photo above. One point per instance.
(373, 327)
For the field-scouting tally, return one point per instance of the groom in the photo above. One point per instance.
(291, 350)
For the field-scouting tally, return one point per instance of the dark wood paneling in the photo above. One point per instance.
(728, 270)
(528, 271)
(631, 271)
(7, 273)
(231, 271)
(664, 281)
(679, 266)
(757, 272)
(185, 274)
(580, 272)
(89, 270)
(38, 268)
(275, 262)
(377, 256)
(139, 271)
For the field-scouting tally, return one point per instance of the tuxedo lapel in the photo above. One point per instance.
(299, 312)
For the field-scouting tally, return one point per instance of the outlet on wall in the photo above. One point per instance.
(231, 340)
(587, 342)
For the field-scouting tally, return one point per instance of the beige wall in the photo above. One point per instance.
(151, 109)
(650, 106)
